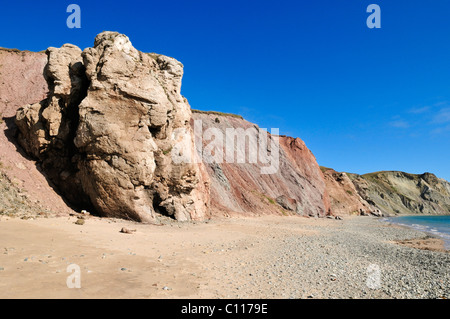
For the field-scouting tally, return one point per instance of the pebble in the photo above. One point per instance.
(125, 230)
(80, 222)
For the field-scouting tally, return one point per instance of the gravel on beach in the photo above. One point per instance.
(355, 258)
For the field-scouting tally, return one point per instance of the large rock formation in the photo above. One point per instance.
(22, 82)
(387, 193)
(114, 133)
(98, 151)
(241, 185)
(344, 197)
(107, 132)
(402, 193)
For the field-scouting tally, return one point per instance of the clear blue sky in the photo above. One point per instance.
(362, 99)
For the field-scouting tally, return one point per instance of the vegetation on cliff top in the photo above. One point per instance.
(218, 113)
(18, 51)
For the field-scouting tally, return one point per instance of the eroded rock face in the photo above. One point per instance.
(22, 82)
(344, 197)
(47, 128)
(108, 130)
(395, 192)
(387, 193)
(295, 187)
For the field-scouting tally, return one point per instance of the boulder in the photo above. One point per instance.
(116, 130)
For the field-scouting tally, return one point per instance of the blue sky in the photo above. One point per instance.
(362, 99)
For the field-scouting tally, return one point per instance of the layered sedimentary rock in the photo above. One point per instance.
(387, 193)
(85, 148)
(291, 184)
(344, 197)
(402, 193)
(107, 132)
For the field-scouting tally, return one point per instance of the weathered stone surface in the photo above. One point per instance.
(394, 192)
(288, 203)
(344, 198)
(22, 82)
(48, 130)
(108, 128)
(387, 193)
(21, 79)
(295, 187)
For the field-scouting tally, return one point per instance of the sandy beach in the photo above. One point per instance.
(261, 257)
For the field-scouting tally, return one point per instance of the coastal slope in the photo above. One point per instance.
(387, 193)
(396, 192)
(298, 187)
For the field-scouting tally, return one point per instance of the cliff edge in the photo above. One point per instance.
(387, 193)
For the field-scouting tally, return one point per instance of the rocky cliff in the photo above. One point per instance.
(105, 133)
(22, 82)
(107, 129)
(112, 129)
(344, 197)
(402, 193)
(112, 123)
(387, 193)
(240, 185)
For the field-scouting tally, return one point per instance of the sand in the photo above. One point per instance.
(263, 257)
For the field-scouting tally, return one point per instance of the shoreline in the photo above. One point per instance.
(437, 240)
(268, 257)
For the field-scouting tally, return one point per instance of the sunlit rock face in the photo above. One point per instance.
(109, 132)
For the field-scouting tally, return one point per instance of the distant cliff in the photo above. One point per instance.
(387, 193)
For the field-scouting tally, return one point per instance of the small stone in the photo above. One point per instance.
(79, 222)
(166, 288)
(127, 231)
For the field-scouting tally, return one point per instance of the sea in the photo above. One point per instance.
(438, 226)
